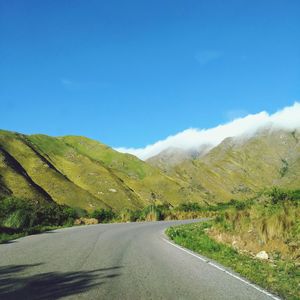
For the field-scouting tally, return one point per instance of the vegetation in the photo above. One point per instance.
(180, 212)
(240, 229)
(239, 167)
(21, 217)
(103, 215)
(278, 195)
(80, 172)
(270, 223)
(280, 276)
(71, 178)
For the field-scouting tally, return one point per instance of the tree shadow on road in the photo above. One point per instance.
(50, 285)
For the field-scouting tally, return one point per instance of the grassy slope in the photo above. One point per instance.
(12, 178)
(238, 169)
(87, 174)
(147, 182)
(44, 174)
(83, 173)
(266, 225)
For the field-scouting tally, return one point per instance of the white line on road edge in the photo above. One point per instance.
(223, 270)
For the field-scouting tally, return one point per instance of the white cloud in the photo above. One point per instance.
(287, 118)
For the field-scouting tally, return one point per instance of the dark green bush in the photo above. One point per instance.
(279, 195)
(103, 215)
(294, 195)
(187, 207)
(21, 215)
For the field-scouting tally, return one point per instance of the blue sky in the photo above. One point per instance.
(129, 73)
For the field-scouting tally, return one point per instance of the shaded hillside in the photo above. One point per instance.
(237, 168)
(83, 173)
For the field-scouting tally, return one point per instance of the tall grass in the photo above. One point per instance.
(271, 223)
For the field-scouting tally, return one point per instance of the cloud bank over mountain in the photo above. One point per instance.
(192, 139)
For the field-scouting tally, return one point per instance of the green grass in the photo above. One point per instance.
(240, 168)
(281, 277)
(20, 217)
(80, 172)
(126, 163)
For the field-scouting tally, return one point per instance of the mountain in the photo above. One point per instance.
(83, 173)
(172, 156)
(239, 167)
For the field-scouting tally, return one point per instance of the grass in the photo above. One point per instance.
(270, 223)
(240, 168)
(19, 217)
(80, 172)
(126, 163)
(281, 277)
(273, 220)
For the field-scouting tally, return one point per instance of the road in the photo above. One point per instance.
(111, 261)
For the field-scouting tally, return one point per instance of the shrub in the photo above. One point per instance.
(103, 215)
(186, 207)
(278, 195)
(22, 214)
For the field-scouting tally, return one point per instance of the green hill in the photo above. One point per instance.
(83, 173)
(240, 167)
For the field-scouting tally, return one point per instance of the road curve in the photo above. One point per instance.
(111, 261)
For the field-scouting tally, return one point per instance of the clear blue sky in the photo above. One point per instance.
(131, 72)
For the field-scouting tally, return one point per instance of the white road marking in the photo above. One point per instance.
(223, 270)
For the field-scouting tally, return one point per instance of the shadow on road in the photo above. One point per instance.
(51, 285)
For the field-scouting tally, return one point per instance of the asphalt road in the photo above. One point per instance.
(112, 261)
